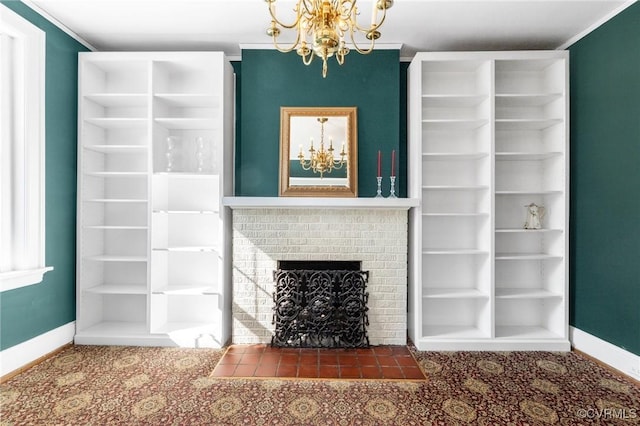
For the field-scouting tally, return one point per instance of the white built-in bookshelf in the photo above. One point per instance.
(155, 144)
(488, 135)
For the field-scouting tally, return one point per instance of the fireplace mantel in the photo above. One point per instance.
(317, 202)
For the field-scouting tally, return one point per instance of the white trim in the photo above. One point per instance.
(595, 25)
(610, 354)
(58, 24)
(26, 146)
(17, 279)
(22, 354)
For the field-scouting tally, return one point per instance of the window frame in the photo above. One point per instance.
(27, 151)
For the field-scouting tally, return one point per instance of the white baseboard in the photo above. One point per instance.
(22, 354)
(606, 352)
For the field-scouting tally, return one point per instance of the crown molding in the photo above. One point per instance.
(58, 24)
(595, 25)
(270, 46)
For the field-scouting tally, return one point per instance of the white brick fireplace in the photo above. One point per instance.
(267, 230)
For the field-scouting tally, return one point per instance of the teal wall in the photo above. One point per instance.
(30, 311)
(605, 181)
(270, 79)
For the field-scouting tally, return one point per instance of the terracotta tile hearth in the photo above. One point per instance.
(377, 362)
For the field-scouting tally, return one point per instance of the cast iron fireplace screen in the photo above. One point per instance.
(320, 305)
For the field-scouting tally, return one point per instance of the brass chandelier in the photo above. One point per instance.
(321, 160)
(326, 23)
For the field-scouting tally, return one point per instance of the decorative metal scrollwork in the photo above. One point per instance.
(320, 309)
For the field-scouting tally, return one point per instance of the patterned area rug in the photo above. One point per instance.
(93, 385)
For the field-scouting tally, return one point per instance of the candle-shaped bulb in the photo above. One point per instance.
(374, 13)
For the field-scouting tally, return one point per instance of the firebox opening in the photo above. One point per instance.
(320, 304)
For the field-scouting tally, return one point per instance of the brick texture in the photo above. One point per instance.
(262, 237)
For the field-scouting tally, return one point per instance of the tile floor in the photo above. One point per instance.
(376, 362)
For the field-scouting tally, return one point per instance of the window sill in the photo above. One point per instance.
(16, 279)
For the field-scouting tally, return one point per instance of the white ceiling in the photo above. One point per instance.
(417, 25)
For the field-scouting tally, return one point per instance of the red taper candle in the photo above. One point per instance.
(393, 162)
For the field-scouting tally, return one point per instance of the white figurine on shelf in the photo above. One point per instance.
(535, 214)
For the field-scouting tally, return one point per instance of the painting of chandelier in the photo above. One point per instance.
(326, 23)
(322, 160)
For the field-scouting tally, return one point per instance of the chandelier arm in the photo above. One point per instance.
(373, 26)
(308, 62)
(292, 47)
(285, 49)
(272, 12)
(348, 12)
(305, 4)
(358, 48)
(384, 16)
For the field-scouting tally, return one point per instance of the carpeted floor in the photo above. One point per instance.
(93, 385)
